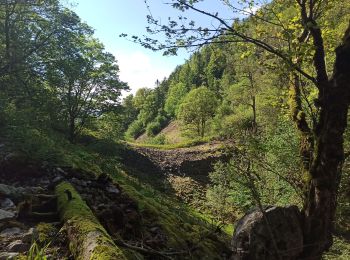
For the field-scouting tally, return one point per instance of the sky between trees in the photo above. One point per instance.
(139, 67)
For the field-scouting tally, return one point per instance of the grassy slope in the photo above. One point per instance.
(184, 226)
(180, 222)
(171, 132)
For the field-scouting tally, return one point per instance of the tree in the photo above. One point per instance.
(140, 97)
(175, 95)
(300, 45)
(197, 108)
(84, 76)
(26, 29)
(129, 111)
(215, 70)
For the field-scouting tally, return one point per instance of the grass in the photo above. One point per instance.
(182, 225)
(339, 251)
(185, 144)
(36, 252)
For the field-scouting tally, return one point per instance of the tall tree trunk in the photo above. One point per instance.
(325, 172)
(306, 145)
(71, 129)
(202, 127)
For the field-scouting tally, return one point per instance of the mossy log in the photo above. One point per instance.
(87, 238)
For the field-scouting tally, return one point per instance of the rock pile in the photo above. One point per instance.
(15, 237)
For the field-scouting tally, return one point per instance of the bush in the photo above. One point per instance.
(106, 147)
(135, 129)
(153, 128)
(36, 144)
(160, 139)
(156, 126)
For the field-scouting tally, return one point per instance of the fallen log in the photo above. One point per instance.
(87, 238)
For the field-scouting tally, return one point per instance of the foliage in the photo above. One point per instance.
(174, 98)
(158, 140)
(153, 128)
(36, 252)
(135, 129)
(170, 146)
(53, 72)
(157, 125)
(197, 108)
(262, 172)
(339, 251)
(88, 83)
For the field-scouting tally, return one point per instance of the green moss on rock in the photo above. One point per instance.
(181, 226)
(88, 239)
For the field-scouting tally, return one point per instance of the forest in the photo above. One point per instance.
(242, 152)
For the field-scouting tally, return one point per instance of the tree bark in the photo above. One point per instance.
(87, 238)
(326, 168)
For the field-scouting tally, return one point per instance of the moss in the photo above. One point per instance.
(85, 227)
(181, 225)
(45, 232)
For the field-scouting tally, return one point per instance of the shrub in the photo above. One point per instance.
(135, 129)
(106, 147)
(36, 144)
(153, 128)
(160, 139)
(156, 126)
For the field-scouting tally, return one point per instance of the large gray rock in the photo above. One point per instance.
(6, 215)
(281, 238)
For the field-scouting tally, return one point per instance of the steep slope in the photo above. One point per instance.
(142, 222)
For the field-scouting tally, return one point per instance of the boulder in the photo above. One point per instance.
(274, 234)
(6, 215)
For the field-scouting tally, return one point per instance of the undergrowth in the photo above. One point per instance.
(184, 226)
(185, 144)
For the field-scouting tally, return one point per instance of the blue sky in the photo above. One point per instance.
(138, 66)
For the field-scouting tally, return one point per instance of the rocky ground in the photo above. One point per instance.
(181, 171)
(196, 161)
(29, 217)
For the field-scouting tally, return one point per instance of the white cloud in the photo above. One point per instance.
(252, 9)
(141, 70)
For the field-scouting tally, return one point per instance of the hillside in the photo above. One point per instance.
(241, 152)
(142, 222)
(171, 133)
